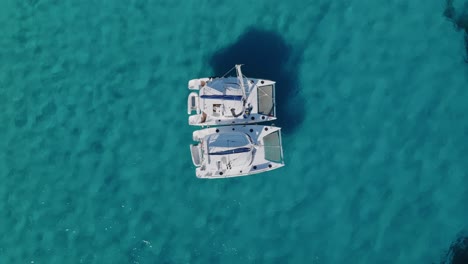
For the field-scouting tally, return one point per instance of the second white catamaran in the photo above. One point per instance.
(231, 100)
(232, 151)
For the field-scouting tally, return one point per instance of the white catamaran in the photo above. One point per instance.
(240, 150)
(231, 100)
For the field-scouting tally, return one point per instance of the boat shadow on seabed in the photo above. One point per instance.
(265, 54)
(459, 18)
(458, 252)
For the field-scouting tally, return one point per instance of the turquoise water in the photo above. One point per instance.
(94, 158)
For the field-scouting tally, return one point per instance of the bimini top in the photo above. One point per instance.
(231, 100)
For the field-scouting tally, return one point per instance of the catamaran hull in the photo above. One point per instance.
(267, 155)
(231, 100)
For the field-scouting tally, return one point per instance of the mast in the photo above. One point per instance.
(240, 79)
(244, 97)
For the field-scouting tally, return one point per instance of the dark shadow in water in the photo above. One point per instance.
(265, 54)
(460, 20)
(458, 252)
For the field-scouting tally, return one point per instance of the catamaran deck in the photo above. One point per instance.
(232, 151)
(231, 100)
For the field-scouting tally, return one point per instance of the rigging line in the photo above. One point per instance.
(229, 71)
